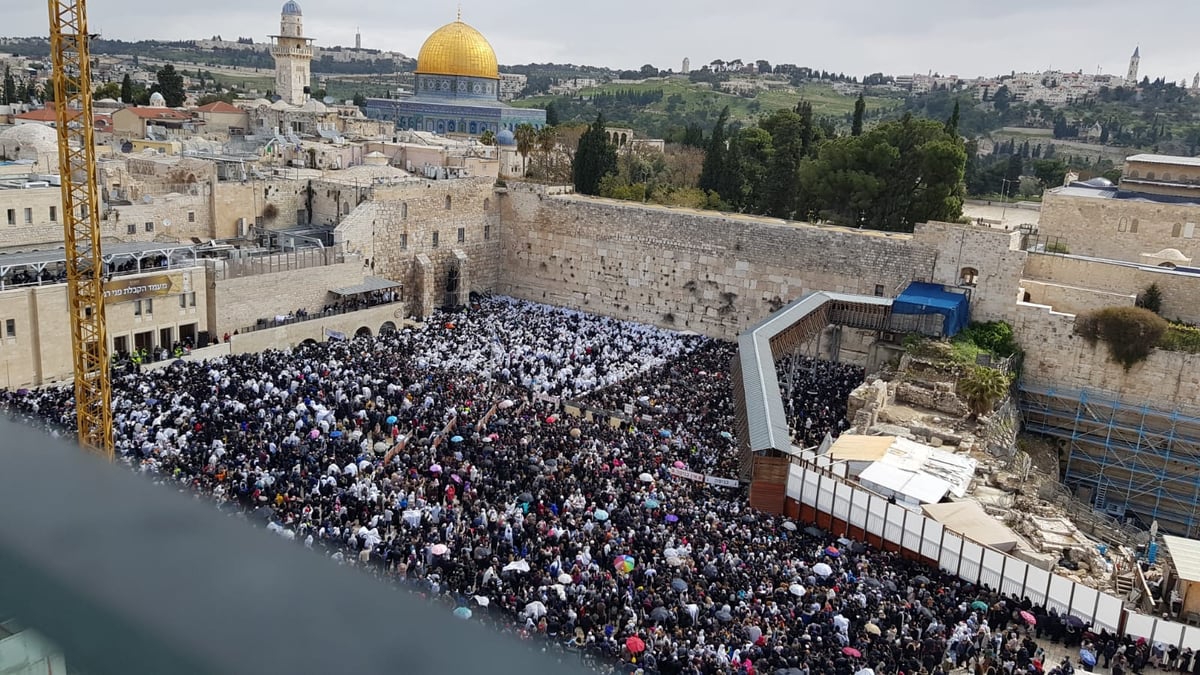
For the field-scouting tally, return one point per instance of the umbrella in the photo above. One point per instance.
(624, 563)
(679, 465)
(551, 419)
(439, 549)
(576, 433)
(651, 503)
(665, 433)
(726, 435)
(456, 439)
(536, 609)
(564, 578)
(335, 434)
(517, 566)
(178, 362)
(391, 419)
(873, 583)
(920, 580)
(679, 585)
(646, 478)
(436, 468)
(979, 605)
(525, 498)
(814, 531)
(482, 600)
(1029, 618)
(482, 552)
(710, 571)
(753, 633)
(851, 652)
(1074, 621)
(789, 526)
(797, 590)
(671, 518)
(872, 629)
(635, 645)
(463, 612)
(456, 478)
(822, 570)
(832, 551)
(312, 434)
(660, 614)
(1087, 657)
(724, 616)
(865, 671)
(600, 515)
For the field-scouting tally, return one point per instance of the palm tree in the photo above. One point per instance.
(526, 136)
(983, 388)
(487, 137)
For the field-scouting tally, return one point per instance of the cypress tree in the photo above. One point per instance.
(716, 157)
(595, 158)
(952, 123)
(127, 90)
(860, 108)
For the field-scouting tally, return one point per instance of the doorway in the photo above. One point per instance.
(452, 281)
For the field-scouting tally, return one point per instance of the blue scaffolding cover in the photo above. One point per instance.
(923, 298)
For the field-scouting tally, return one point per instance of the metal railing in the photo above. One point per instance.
(267, 324)
(240, 268)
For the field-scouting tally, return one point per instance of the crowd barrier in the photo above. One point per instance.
(817, 495)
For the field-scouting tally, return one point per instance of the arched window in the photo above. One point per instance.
(1149, 175)
(1176, 229)
(1166, 175)
(1122, 224)
(346, 208)
(447, 202)
(1133, 226)
(404, 211)
(1133, 174)
(487, 204)
(968, 276)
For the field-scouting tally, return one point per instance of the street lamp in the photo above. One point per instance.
(1004, 183)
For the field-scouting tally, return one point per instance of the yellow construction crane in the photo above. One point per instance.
(70, 56)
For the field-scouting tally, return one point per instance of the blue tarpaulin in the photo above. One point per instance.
(923, 298)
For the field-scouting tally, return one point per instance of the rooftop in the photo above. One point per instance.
(1090, 192)
(1164, 159)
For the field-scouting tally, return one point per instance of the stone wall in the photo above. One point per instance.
(994, 256)
(1071, 299)
(234, 201)
(1056, 357)
(1179, 289)
(690, 270)
(45, 217)
(174, 217)
(373, 320)
(1119, 229)
(238, 303)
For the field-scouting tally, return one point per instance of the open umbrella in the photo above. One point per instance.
(436, 468)
(832, 551)
(646, 478)
(525, 498)
(710, 571)
(671, 518)
(1087, 657)
(463, 612)
(536, 609)
(482, 552)
(1074, 621)
(576, 433)
(979, 605)
(679, 465)
(551, 419)
(822, 570)
(635, 645)
(920, 580)
(600, 515)
(851, 652)
(482, 600)
(753, 633)
(814, 531)
(724, 616)
(660, 614)
(872, 629)
(726, 435)
(1029, 618)
(314, 434)
(564, 578)
(868, 581)
(391, 419)
(439, 549)
(651, 503)
(456, 439)
(865, 671)
(624, 563)
(665, 433)
(797, 590)
(679, 585)
(789, 526)
(506, 403)
(517, 566)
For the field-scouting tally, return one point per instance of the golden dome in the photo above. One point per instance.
(458, 49)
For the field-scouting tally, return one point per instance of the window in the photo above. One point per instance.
(404, 211)
(487, 231)
(404, 241)
(1166, 175)
(137, 307)
(12, 216)
(130, 228)
(149, 226)
(10, 328)
(191, 216)
(1133, 225)
(182, 300)
(879, 290)
(1122, 224)
(447, 202)
(28, 216)
(1176, 229)
(968, 276)
(1149, 175)
(435, 239)
(149, 306)
(54, 214)
(462, 234)
(192, 299)
(487, 204)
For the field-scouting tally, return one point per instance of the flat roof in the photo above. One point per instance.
(1149, 158)
(1185, 554)
(857, 448)
(368, 285)
(109, 251)
(968, 518)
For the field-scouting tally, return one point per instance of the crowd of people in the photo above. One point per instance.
(437, 457)
(815, 393)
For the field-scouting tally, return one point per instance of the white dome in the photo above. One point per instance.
(157, 100)
(260, 102)
(280, 105)
(28, 141)
(313, 105)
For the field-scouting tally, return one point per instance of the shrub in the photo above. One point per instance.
(1130, 332)
(1181, 338)
(993, 336)
(1151, 299)
(1057, 247)
(982, 388)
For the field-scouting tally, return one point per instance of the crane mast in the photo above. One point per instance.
(69, 53)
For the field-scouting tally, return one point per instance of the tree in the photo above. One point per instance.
(487, 137)
(526, 137)
(107, 90)
(1151, 299)
(10, 88)
(551, 114)
(716, 156)
(1050, 172)
(693, 136)
(1001, 99)
(595, 158)
(170, 85)
(952, 122)
(127, 89)
(1012, 176)
(860, 108)
(359, 100)
(983, 388)
(1130, 332)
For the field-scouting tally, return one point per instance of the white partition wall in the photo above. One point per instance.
(972, 561)
(841, 501)
(951, 552)
(1083, 604)
(1168, 632)
(1037, 581)
(875, 512)
(1139, 625)
(1013, 581)
(993, 569)
(1108, 612)
(825, 494)
(859, 501)
(808, 489)
(913, 524)
(931, 541)
(1191, 637)
(1060, 594)
(893, 529)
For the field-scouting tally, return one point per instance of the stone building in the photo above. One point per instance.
(457, 89)
(293, 54)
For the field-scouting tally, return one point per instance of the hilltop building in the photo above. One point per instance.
(457, 90)
(1134, 62)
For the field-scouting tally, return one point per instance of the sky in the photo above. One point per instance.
(967, 38)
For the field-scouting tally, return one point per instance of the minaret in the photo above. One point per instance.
(357, 39)
(687, 66)
(293, 57)
(1134, 60)
(1196, 81)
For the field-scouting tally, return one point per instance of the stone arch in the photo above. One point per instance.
(1134, 174)
(362, 332)
(403, 210)
(623, 139)
(387, 327)
(1149, 175)
(487, 203)
(309, 341)
(1166, 175)
(968, 276)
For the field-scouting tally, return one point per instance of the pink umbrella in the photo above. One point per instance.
(1029, 618)
(851, 652)
(314, 434)
(456, 478)
(679, 464)
(436, 468)
(438, 549)
(551, 419)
